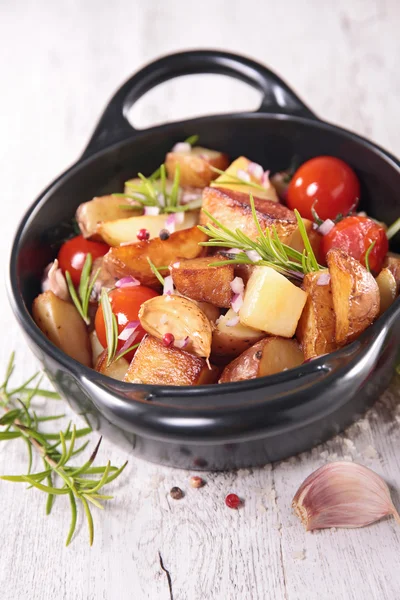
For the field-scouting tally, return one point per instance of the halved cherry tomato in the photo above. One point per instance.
(326, 182)
(73, 252)
(355, 235)
(125, 304)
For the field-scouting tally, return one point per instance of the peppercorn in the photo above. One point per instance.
(233, 501)
(196, 482)
(168, 339)
(176, 493)
(164, 234)
(143, 235)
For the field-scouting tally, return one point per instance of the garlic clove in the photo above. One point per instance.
(54, 280)
(343, 494)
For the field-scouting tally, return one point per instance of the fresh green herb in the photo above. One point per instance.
(368, 252)
(316, 217)
(272, 252)
(111, 326)
(393, 229)
(85, 288)
(81, 484)
(192, 140)
(235, 180)
(121, 354)
(156, 270)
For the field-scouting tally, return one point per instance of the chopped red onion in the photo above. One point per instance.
(168, 285)
(128, 343)
(326, 227)
(234, 251)
(255, 170)
(189, 195)
(182, 148)
(128, 281)
(176, 265)
(161, 199)
(265, 180)
(174, 219)
(54, 280)
(324, 279)
(253, 255)
(243, 175)
(237, 285)
(181, 343)
(233, 321)
(127, 331)
(151, 211)
(237, 302)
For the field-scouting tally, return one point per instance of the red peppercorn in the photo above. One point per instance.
(142, 235)
(168, 339)
(233, 501)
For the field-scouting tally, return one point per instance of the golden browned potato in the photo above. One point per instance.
(132, 259)
(102, 208)
(229, 339)
(387, 289)
(121, 231)
(181, 317)
(117, 369)
(195, 166)
(155, 364)
(355, 296)
(272, 303)
(61, 323)
(268, 356)
(228, 181)
(316, 327)
(392, 262)
(232, 209)
(197, 280)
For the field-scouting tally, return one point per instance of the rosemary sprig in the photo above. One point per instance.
(156, 270)
(192, 140)
(368, 252)
(84, 290)
(393, 229)
(81, 484)
(272, 252)
(234, 180)
(111, 326)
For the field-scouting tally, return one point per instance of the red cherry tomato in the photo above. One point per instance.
(125, 304)
(355, 235)
(72, 255)
(326, 182)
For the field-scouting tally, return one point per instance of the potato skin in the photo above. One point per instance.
(61, 323)
(132, 260)
(392, 262)
(195, 169)
(233, 210)
(90, 215)
(268, 356)
(195, 279)
(230, 342)
(228, 181)
(155, 364)
(316, 327)
(355, 295)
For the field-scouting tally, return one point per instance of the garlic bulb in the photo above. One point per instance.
(343, 494)
(54, 280)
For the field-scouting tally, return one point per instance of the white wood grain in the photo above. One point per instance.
(59, 64)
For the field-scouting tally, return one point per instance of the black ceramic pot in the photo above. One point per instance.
(217, 426)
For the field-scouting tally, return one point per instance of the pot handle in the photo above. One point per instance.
(277, 97)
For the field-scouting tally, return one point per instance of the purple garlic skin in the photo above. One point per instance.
(343, 494)
(54, 280)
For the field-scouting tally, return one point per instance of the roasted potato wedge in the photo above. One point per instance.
(117, 369)
(61, 323)
(194, 166)
(122, 231)
(181, 317)
(102, 208)
(195, 279)
(316, 327)
(132, 259)
(272, 303)
(228, 181)
(387, 289)
(155, 364)
(392, 262)
(355, 296)
(232, 209)
(228, 341)
(268, 356)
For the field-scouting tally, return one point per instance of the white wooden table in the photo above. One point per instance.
(59, 64)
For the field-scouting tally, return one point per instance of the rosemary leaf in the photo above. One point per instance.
(156, 271)
(393, 229)
(109, 322)
(368, 252)
(192, 140)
